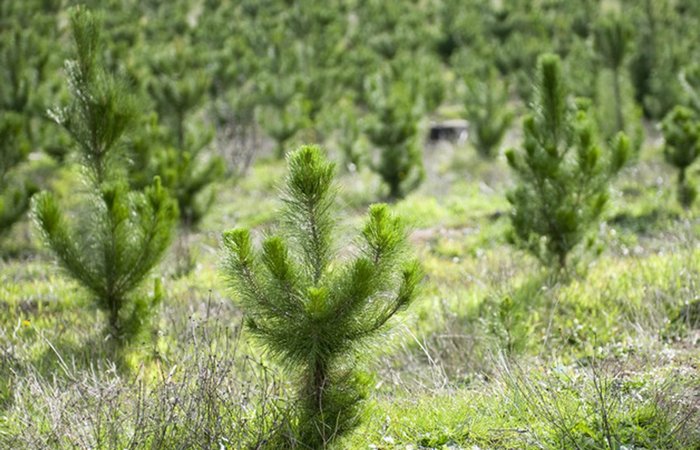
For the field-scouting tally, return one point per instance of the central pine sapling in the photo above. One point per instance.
(562, 172)
(121, 234)
(314, 313)
(681, 130)
(393, 127)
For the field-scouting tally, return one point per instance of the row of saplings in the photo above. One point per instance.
(312, 313)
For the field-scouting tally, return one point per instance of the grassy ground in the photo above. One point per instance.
(495, 354)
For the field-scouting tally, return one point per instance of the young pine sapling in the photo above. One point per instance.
(562, 172)
(314, 313)
(121, 234)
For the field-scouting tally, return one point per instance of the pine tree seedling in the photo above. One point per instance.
(315, 313)
(562, 172)
(120, 235)
(681, 130)
(393, 128)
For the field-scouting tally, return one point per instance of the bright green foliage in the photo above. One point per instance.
(613, 39)
(178, 89)
(14, 195)
(393, 128)
(681, 130)
(487, 111)
(562, 172)
(122, 234)
(116, 249)
(313, 313)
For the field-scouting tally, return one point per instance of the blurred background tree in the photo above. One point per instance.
(562, 172)
(681, 129)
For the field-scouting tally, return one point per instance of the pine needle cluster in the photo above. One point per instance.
(119, 235)
(314, 313)
(562, 171)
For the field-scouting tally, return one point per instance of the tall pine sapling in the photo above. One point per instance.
(392, 126)
(121, 234)
(314, 313)
(681, 130)
(562, 172)
(487, 112)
